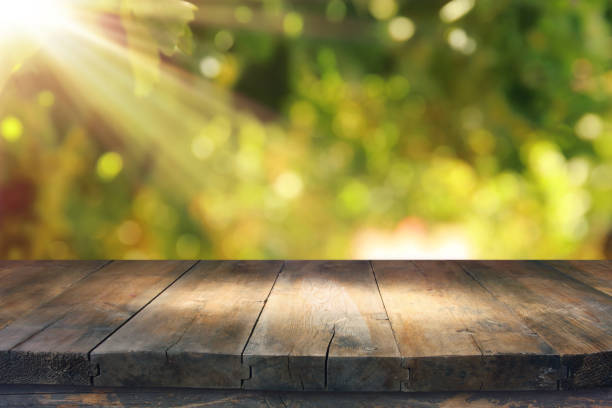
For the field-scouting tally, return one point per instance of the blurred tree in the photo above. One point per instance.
(398, 129)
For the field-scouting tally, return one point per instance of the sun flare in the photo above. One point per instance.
(35, 18)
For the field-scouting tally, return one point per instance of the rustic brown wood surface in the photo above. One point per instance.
(597, 274)
(571, 316)
(308, 325)
(324, 327)
(454, 335)
(194, 333)
(26, 285)
(50, 345)
(61, 396)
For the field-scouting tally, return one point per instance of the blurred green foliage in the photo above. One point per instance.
(319, 129)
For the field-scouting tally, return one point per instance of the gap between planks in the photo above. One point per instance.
(95, 370)
(246, 343)
(382, 300)
(324, 319)
(583, 360)
(50, 323)
(518, 316)
(575, 268)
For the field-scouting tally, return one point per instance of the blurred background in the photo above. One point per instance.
(305, 129)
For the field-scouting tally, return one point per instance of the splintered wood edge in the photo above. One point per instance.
(25, 367)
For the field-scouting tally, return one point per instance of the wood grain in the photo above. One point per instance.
(324, 327)
(194, 333)
(26, 285)
(72, 397)
(597, 274)
(50, 345)
(574, 318)
(59, 396)
(316, 325)
(453, 335)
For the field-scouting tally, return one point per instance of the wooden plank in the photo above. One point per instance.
(530, 399)
(194, 333)
(597, 274)
(58, 396)
(453, 335)
(25, 285)
(574, 318)
(324, 327)
(50, 345)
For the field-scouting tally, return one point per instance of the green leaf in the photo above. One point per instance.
(154, 26)
(185, 42)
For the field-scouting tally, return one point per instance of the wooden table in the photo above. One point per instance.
(378, 326)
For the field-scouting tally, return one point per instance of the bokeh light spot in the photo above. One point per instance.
(11, 128)
(288, 185)
(455, 9)
(578, 170)
(383, 9)
(348, 120)
(601, 177)
(336, 10)
(293, 24)
(46, 99)
(459, 40)
(303, 114)
(109, 165)
(397, 87)
(243, 14)
(210, 67)
(129, 232)
(354, 198)
(481, 141)
(471, 118)
(202, 146)
(589, 126)
(545, 158)
(224, 40)
(219, 129)
(401, 28)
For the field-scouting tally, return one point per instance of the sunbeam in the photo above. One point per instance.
(37, 18)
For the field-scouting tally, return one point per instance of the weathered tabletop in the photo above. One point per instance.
(308, 325)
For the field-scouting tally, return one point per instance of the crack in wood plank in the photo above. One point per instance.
(322, 329)
(136, 313)
(246, 343)
(331, 339)
(194, 334)
(51, 344)
(473, 336)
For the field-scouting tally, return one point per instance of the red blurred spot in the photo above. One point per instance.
(113, 29)
(17, 198)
